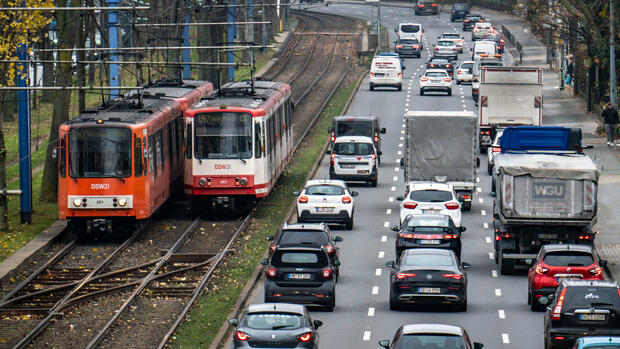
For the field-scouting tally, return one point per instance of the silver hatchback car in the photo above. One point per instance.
(446, 48)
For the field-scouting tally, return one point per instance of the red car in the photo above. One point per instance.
(497, 38)
(557, 262)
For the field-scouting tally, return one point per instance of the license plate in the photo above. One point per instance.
(431, 211)
(379, 74)
(324, 209)
(347, 166)
(547, 236)
(592, 317)
(298, 276)
(429, 242)
(435, 80)
(429, 290)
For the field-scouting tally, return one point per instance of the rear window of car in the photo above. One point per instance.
(409, 28)
(325, 190)
(460, 7)
(467, 65)
(354, 128)
(473, 18)
(436, 74)
(425, 260)
(445, 43)
(430, 195)
(305, 258)
(353, 149)
(439, 60)
(568, 259)
(451, 36)
(313, 237)
(430, 340)
(591, 295)
(274, 321)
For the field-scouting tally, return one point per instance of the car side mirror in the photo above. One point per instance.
(466, 265)
(462, 229)
(269, 238)
(328, 151)
(390, 264)
(264, 261)
(394, 228)
(399, 198)
(404, 68)
(336, 263)
(395, 30)
(402, 162)
(380, 152)
(477, 162)
(296, 193)
(354, 193)
(602, 263)
(233, 322)
(384, 343)
(337, 238)
(492, 194)
(383, 131)
(478, 345)
(317, 323)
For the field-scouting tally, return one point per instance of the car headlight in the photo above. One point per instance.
(77, 202)
(122, 202)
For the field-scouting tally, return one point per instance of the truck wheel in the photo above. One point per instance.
(450, 92)
(467, 206)
(492, 185)
(458, 82)
(421, 92)
(489, 169)
(506, 266)
(372, 88)
(373, 183)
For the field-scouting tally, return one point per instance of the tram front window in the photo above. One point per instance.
(223, 135)
(97, 152)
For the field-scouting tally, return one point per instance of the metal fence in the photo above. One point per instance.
(513, 41)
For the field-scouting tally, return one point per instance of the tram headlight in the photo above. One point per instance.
(243, 181)
(122, 202)
(202, 181)
(77, 202)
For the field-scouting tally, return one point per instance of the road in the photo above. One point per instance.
(498, 314)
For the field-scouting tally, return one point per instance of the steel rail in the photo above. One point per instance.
(309, 55)
(290, 54)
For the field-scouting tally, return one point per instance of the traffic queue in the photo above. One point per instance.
(545, 205)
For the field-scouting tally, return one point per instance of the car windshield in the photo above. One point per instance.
(408, 42)
(96, 152)
(568, 259)
(409, 28)
(354, 128)
(315, 259)
(436, 74)
(223, 135)
(430, 195)
(427, 260)
(325, 189)
(310, 237)
(577, 296)
(353, 149)
(467, 65)
(274, 321)
(437, 341)
(445, 43)
(492, 37)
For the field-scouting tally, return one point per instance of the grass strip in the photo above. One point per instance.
(229, 280)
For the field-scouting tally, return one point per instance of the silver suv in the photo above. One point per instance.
(354, 158)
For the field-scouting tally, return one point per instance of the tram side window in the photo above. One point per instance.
(188, 142)
(272, 136)
(170, 140)
(159, 144)
(138, 157)
(281, 121)
(178, 126)
(62, 168)
(289, 117)
(152, 157)
(145, 156)
(258, 141)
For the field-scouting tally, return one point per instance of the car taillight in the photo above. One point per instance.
(415, 46)
(326, 273)
(467, 21)
(585, 237)
(376, 138)
(399, 46)
(459, 72)
(424, 78)
(453, 276)
(273, 248)
(433, 4)
(496, 149)
(306, 337)
(454, 49)
(421, 5)
(400, 75)
(557, 311)
(436, 48)
(346, 199)
(487, 133)
(333, 137)
(410, 205)
(372, 74)
(271, 272)
(303, 199)
(242, 336)
(329, 248)
(450, 236)
(540, 270)
(501, 41)
(432, 65)
(452, 206)
(596, 271)
(406, 236)
(447, 79)
(401, 276)
(448, 65)
(332, 159)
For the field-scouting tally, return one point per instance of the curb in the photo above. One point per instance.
(257, 273)
(278, 53)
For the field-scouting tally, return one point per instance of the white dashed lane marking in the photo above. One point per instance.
(371, 311)
(395, 178)
(400, 152)
(505, 338)
(381, 254)
(494, 273)
(366, 336)
(388, 211)
(491, 255)
(390, 199)
(375, 290)
(386, 224)
(498, 292)
(393, 189)
(396, 169)
(480, 200)
(501, 314)
(485, 225)
(488, 239)
(378, 272)
(483, 212)
(384, 238)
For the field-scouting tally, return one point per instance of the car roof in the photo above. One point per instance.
(353, 139)
(450, 33)
(489, 42)
(430, 185)
(435, 251)
(303, 226)
(432, 328)
(470, 62)
(296, 247)
(276, 307)
(408, 23)
(336, 182)
(357, 117)
(483, 24)
(600, 340)
(598, 283)
(435, 71)
(567, 247)
(447, 39)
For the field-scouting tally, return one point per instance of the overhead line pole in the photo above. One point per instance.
(187, 72)
(612, 56)
(23, 112)
(113, 39)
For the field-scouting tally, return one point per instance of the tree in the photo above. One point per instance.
(17, 28)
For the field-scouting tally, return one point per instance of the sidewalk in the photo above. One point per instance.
(560, 106)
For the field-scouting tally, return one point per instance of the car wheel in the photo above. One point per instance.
(349, 224)
(372, 88)
(529, 297)
(394, 303)
(373, 183)
(400, 87)
(462, 306)
(489, 169)
(421, 92)
(458, 82)
(450, 92)
(332, 303)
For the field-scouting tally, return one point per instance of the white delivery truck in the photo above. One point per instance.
(508, 96)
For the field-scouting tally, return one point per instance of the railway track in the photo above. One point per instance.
(137, 295)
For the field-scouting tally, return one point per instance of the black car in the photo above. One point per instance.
(408, 47)
(313, 235)
(430, 336)
(303, 275)
(458, 11)
(470, 20)
(426, 7)
(428, 276)
(271, 325)
(582, 308)
(440, 63)
(425, 231)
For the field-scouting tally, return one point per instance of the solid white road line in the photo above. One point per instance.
(498, 292)
(501, 313)
(491, 256)
(485, 225)
(488, 239)
(388, 211)
(381, 254)
(375, 290)
(378, 272)
(494, 273)
(384, 238)
(371, 311)
(386, 224)
(505, 338)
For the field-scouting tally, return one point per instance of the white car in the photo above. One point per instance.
(326, 200)
(492, 150)
(481, 28)
(435, 80)
(354, 158)
(430, 198)
(446, 48)
(460, 41)
(464, 72)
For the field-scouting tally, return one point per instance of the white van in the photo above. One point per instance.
(386, 71)
(410, 31)
(482, 48)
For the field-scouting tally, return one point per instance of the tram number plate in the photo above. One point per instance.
(592, 317)
(298, 276)
(347, 166)
(429, 290)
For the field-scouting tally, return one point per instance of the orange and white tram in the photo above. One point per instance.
(118, 164)
(239, 140)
